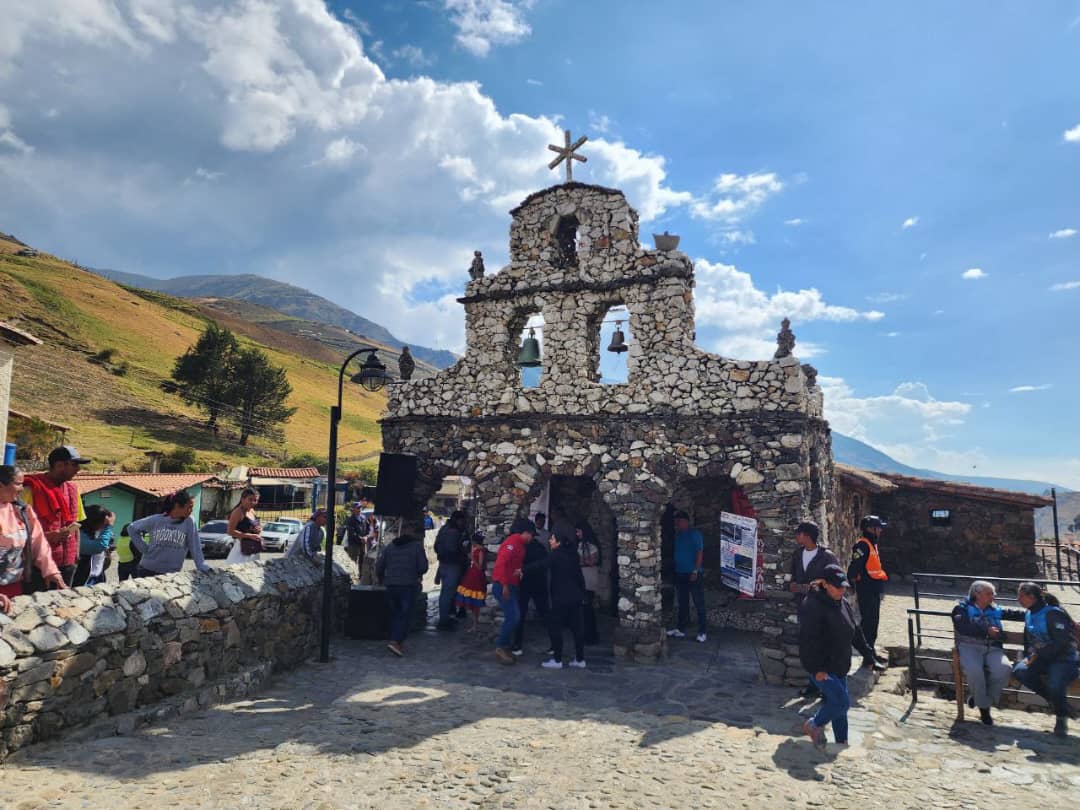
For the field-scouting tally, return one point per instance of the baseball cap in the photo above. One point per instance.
(66, 453)
(317, 512)
(834, 575)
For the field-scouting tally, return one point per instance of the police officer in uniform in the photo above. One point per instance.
(867, 575)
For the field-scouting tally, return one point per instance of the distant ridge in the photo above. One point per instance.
(284, 298)
(859, 454)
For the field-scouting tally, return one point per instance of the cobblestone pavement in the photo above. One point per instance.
(447, 727)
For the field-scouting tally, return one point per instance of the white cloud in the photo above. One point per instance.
(206, 174)
(973, 274)
(1024, 389)
(736, 319)
(8, 138)
(910, 222)
(534, 82)
(482, 24)
(340, 150)
(734, 197)
(794, 223)
(414, 56)
(738, 238)
(1072, 135)
(1065, 285)
(887, 297)
(600, 123)
(1064, 233)
(892, 334)
(908, 422)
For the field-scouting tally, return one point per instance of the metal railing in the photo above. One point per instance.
(1071, 589)
(1069, 561)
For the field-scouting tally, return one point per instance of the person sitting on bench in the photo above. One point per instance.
(1050, 651)
(979, 640)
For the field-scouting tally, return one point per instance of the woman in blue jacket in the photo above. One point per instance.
(979, 638)
(1051, 661)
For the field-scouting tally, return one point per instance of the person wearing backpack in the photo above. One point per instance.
(1051, 661)
(23, 546)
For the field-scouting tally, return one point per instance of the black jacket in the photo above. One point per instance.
(567, 581)
(816, 570)
(356, 529)
(402, 562)
(534, 569)
(451, 545)
(856, 572)
(827, 631)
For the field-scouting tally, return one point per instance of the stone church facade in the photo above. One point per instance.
(688, 429)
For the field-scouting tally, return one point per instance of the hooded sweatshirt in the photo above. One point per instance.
(509, 561)
(165, 542)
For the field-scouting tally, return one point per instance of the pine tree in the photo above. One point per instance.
(260, 390)
(205, 371)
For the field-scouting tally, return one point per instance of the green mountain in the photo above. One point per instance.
(283, 297)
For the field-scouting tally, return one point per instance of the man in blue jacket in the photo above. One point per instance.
(689, 553)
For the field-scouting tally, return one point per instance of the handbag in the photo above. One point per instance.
(249, 546)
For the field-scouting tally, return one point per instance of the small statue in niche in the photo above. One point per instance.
(785, 340)
(406, 364)
(476, 269)
(566, 233)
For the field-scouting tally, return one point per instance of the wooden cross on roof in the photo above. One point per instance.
(568, 153)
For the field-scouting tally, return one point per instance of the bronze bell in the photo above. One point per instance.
(618, 340)
(529, 356)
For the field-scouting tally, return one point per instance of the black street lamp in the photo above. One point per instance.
(372, 376)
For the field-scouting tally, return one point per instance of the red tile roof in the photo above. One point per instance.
(283, 472)
(150, 483)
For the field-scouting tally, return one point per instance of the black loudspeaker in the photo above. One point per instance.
(397, 476)
(369, 614)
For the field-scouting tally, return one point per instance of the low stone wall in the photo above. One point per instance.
(78, 657)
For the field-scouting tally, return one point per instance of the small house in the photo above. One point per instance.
(131, 496)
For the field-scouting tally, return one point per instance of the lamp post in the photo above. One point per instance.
(372, 376)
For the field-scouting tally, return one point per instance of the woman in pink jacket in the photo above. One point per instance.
(22, 541)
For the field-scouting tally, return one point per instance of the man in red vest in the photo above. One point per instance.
(57, 504)
(867, 575)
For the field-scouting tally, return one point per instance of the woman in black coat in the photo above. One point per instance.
(567, 596)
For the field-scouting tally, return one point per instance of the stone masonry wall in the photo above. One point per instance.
(76, 657)
(983, 537)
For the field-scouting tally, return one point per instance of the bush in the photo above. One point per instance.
(308, 460)
(180, 460)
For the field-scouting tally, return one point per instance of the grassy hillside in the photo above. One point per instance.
(117, 418)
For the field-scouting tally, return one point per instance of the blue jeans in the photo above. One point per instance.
(400, 599)
(507, 597)
(835, 702)
(683, 589)
(1058, 675)
(450, 577)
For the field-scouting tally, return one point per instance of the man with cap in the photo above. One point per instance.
(827, 631)
(309, 542)
(356, 529)
(56, 502)
(867, 575)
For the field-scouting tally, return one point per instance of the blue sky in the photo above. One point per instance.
(900, 180)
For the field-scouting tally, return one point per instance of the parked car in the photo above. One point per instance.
(277, 535)
(299, 524)
(215, 539)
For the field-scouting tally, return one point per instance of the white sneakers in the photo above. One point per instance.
(551, 663)
(677, 633)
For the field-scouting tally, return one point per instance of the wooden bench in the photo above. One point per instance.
(1014, 640)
